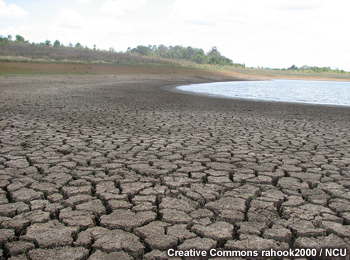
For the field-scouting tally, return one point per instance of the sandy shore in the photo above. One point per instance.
(119, 166)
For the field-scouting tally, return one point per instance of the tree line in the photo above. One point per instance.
(315, 69)
(20, 39)
(179, 52)
(19, 47)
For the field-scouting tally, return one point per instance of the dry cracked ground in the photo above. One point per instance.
(117, 167)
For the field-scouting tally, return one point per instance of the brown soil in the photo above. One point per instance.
(23, 68)
(118, 165)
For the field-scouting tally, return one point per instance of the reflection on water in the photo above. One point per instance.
(300, 91)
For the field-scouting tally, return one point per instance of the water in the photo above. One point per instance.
(298, 91)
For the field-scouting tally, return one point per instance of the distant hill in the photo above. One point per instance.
(178, 56)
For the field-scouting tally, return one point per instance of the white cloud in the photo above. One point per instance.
(9, 31)
(70, 18)
(12, 11)
(113, 8)
(105, 32)
(202, 12)
(84, 1)
(118, 7)
(296, 4)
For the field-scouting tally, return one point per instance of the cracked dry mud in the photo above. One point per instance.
(105, 167)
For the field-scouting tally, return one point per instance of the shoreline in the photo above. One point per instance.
(176, 90)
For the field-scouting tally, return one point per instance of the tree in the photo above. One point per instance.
(179, 52)
(199, 59)
(140, 49)
(213, 55)
(78, 45)
(190, 53)
(4, 40)
(48, 43)
(20, 39)
(57, 43)
(162, 50)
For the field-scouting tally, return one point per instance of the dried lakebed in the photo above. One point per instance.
(95, 167)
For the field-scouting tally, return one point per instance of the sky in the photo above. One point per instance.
(264, 33)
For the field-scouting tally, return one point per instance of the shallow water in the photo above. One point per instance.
(298, 91)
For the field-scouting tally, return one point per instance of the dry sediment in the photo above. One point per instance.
(102, 166)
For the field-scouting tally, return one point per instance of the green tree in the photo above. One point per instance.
(140, 49)
(57, 43)
(200, 59)
(48, 42)
(190, 53)
(78, 45)
(4, 40)
(214, 55)
(179, 52)
(20, 39)
(162, 50)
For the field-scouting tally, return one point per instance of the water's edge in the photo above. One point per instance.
(328, 93)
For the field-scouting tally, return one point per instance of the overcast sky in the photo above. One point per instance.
(265, 33)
